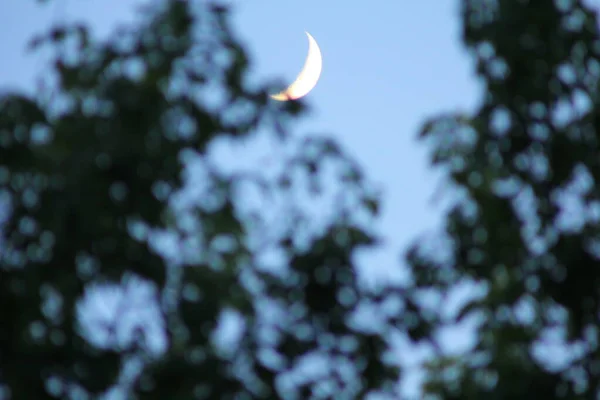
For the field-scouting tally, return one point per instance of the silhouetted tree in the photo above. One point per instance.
(92, 171)
(526, 166)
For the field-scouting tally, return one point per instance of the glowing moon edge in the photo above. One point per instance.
(308, 77)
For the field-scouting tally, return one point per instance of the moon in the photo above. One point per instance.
(308, 77)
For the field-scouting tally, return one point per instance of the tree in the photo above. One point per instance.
(92, 172)
(525, 228)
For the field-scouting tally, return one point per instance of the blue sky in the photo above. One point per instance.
(386, 67)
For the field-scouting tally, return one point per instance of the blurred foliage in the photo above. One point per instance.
(526, 166)
(91, 170)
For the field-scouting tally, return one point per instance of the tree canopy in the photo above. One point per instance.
(525, 230)
(93, 171)
(108, 184)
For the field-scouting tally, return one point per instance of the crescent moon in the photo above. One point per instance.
(308, 77)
